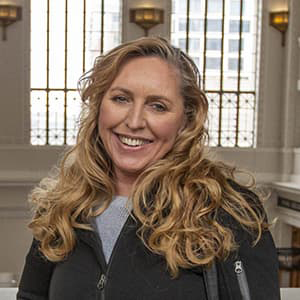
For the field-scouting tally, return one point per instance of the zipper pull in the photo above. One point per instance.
(101, 283)
(238, 267)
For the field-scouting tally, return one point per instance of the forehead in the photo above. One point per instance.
(149, 70)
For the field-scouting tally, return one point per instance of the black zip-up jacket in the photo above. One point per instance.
(134, 273)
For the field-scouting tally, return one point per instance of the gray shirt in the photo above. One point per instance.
(110, 223)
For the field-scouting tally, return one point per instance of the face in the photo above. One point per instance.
(141, 114)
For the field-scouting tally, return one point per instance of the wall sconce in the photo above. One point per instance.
(146, 17)
(8, 15)
(280, 21)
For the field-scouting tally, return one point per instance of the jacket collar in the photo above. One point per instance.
(92, 239)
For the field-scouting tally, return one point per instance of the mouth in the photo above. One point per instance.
(133, 142)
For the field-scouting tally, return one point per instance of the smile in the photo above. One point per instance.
(133, 142)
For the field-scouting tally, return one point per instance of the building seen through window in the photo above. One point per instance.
(213, 44)
(66, 37)
(222, 37)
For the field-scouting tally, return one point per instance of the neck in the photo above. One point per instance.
(124, 183)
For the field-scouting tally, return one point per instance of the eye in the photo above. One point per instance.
(120, 99)
(159, 107)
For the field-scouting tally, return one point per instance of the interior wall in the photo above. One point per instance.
(14, 80)
(23, 165)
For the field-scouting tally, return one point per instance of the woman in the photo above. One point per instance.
(138, 210)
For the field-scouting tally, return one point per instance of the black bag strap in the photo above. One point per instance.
(211, 282)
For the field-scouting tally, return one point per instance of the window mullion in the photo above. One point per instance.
(84, 37)
(66, 72)
(239, 75)
(205, 45)
(47, 70)
(102, 27)
(187, 39)
(221, 75)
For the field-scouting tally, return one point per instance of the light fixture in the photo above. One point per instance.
(146, 17)
(8, 15)
(280, 21)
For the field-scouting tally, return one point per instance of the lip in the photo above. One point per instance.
(126, 148)
(134, 137)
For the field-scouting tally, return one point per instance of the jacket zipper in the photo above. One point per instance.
(101, 285)
(242, 279)
(103, 278)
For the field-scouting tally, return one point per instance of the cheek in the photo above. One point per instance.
(168, 131)
(105, 116)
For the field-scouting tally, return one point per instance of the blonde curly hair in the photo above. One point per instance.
(175, 201)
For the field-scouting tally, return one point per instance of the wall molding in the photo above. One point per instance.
(26, 165)
(291, 192)
(20, 178)
(15, 212)
(289, 216)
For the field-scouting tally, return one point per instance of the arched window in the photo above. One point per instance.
(66, 36)
(222, 36)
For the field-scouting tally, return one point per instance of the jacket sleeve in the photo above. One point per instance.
(36, 276)
(261, 267)
(259, 261)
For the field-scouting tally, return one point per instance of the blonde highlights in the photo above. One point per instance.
(177, 201)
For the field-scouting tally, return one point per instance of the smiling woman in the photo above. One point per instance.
(138, 209)
(140, 116)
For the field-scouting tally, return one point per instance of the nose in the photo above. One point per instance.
(135, 118)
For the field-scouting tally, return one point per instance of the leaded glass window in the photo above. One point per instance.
(226, 54)
(66, 36)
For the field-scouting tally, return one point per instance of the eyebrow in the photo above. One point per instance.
(117, 88)
(126, 91)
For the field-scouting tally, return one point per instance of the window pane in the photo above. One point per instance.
(57, 44)
(246, 119)
(182, 24)
(229, 113)
(182, 6)
(213, 63)
(234, 26)
(38, 37)
(233, 64)
(195, 5)
(214, 6)
(214, 44)
(246, 26)
(93, 32)
(174, 6)
(194, 45)
(75, 37)
(212, 81)
(38, 117)
(56, 118)
(233, 45)
(196, 25)
(73, 107)
(112, 39)
(112, 24)
(213, 118)
(214, 25)
(182, 44)
(235, 6)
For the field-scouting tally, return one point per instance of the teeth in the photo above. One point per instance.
(132, 142)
